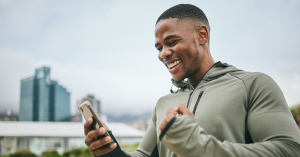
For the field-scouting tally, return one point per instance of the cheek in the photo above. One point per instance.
(186, 50)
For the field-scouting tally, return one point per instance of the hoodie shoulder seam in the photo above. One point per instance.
(245, 89)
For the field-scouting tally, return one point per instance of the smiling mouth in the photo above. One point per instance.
(172, 65)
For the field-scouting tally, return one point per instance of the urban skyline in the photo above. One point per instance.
(89, 55)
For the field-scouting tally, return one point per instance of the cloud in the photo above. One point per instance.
(25, 17)
(119, 91)
(106, 48)
(13, 66)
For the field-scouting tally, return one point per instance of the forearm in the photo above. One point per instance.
(185, 138)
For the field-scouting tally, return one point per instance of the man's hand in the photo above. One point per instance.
(94, 145)
(181, 109)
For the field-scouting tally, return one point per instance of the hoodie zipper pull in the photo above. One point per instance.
(188, 103)
(197, 102)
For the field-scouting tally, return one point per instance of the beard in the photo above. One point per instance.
(186, 75)
(190, 71)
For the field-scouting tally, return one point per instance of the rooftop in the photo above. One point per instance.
(61, 129)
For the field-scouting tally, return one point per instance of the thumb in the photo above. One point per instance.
(181, 109)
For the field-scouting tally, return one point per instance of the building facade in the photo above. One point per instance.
(43, 99)
(77, 117)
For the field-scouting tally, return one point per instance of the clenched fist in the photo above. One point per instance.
(181, 109)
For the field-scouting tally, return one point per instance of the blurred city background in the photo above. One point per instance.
(54, 55)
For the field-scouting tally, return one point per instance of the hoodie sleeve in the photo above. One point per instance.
(269, 122)
(147, 147)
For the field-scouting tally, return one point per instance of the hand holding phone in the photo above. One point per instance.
(97, 138)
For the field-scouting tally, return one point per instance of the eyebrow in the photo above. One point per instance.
(167, 38)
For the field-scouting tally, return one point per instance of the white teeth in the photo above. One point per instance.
(171, 65)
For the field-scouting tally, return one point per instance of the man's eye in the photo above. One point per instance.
(159, 49)
(172, 43)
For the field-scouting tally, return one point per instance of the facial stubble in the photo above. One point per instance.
(189, 71)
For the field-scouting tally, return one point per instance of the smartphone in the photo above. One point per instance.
(87, 111)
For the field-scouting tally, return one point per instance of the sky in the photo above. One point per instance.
(106, 47)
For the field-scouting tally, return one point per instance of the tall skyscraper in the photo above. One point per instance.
(43, 99)
(95, 104)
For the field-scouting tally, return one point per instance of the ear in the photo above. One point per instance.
(203, 35)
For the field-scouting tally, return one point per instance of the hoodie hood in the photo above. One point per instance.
(217, 70)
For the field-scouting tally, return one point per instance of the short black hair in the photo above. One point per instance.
(185, 11)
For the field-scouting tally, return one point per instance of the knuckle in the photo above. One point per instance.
(102, 141)
(86, 141)
(97, 132)
(86, 131)
(101, 131)
(86, 125)
(89, 134)
(91, 147)
(97, 144)
(169, 110)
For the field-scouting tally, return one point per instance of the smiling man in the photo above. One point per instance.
(219, 111)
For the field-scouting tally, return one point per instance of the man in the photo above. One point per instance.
(219, 111)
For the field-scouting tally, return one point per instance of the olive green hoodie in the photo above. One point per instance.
(237, 113)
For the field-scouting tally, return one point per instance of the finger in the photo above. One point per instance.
(183, 110)
(170, 113)
(176, 114)
(176, 109)
(99, 143)
(162, 125)
(102, 151)
(92, 134)
(87, 126)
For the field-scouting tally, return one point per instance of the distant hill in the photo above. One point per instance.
(127, 118)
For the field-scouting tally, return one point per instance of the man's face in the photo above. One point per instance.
(177, 46)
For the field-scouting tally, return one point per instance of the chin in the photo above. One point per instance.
(178, 78)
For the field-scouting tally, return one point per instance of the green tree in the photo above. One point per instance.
(50, 153)
(78, 152)
(22, 153)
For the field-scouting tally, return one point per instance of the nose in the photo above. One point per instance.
(164, 54)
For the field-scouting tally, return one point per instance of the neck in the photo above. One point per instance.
(206, 63)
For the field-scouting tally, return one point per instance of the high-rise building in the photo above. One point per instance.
(43, 99)
(95, 104)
